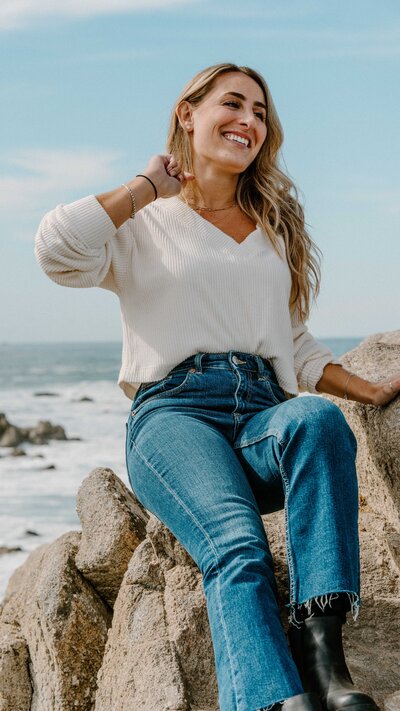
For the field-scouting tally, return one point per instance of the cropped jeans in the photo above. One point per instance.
(209, 449)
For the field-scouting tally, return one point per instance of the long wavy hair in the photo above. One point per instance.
(264, 192)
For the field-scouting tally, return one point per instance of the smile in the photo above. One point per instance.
(239, 140)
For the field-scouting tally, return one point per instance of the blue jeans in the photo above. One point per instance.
(210, 448)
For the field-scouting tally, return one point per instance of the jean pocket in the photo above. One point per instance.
(172, 384)
(177, 381)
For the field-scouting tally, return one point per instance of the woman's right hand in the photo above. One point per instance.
(167, 175)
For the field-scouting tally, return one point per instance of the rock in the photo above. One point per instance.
(4, 424)
(158, 619)
(108, 540)
(392, 703)
(45, 394)
(85, 398)
(17, 452)
(29, 532)
(44, 431)
(49, 466)
(15, 687)
(9, 549)
(12, 436)
(377, 428)
(64, 623)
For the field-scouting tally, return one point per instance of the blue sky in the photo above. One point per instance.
(86, 93)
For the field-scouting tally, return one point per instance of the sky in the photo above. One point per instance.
(86, 91)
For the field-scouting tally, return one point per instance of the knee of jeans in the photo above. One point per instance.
(240, 558)
(325, 418)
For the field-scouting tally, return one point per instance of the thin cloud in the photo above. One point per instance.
(320, 41)
(37, 180)
(18, 14)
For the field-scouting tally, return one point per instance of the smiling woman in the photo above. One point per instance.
(208, 254)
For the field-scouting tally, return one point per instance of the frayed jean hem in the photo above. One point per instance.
(323, 601)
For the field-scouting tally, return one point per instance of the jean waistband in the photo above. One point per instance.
(230, 360)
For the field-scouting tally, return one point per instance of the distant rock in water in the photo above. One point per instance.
(49, 466)
(10, 549)
(12, 436)
(31, 532)
(44, 394)
(17, 452)
(115, 617)
(85, 398)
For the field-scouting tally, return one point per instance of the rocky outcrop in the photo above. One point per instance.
(15, 683)
(377, 428)
(62, 623)
(116, 618)
(12, 436)
(109, 540)
(160, 640)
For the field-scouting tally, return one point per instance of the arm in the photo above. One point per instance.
(318, 371)
(338, 381)
(81, 244)
(165, 173)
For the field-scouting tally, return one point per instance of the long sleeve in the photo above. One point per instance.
(310, 357)
(77, 245)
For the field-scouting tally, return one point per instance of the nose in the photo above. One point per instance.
(247, 118)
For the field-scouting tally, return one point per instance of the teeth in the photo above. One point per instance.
(239, 139)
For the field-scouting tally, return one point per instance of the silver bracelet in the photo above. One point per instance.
(133, 213)
(347, 382)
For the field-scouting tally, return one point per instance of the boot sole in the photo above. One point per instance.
(359, 707)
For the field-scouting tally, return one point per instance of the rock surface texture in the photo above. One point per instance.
(115, 618)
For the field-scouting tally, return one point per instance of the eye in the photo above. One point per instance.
(260, 115)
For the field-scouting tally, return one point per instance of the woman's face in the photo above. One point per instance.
(228, 127)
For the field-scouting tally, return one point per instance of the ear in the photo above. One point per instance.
(185, 116)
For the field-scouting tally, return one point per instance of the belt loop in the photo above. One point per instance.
(261, 365)
(197, 362)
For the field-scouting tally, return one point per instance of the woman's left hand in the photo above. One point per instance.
(386, 390)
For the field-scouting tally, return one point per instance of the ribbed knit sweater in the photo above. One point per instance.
(184, 287)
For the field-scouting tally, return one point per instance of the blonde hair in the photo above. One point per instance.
(264, 192)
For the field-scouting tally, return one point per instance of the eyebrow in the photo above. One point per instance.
(241, 96)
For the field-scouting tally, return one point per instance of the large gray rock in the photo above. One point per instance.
(377, 428)
(159, 652)
(64, 624)
(15, 685)
(113, 525)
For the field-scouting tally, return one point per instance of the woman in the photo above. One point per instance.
(215, 274)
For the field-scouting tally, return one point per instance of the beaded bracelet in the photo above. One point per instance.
(132, 215)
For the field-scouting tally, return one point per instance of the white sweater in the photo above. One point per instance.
(184, 287)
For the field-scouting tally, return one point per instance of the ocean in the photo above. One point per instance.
(37, 503)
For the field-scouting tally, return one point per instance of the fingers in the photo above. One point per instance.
(174, 170)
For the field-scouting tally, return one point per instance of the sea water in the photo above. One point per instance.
(41, 501)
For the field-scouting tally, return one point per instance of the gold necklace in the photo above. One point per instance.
(211, 209)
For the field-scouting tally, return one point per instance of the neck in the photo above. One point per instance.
(211, 189)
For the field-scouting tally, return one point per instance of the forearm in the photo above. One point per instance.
(118, 203)
(335, 381)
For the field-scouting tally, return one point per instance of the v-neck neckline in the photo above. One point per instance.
(205, 226)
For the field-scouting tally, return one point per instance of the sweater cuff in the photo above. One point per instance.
(90, 221)
(312, 372)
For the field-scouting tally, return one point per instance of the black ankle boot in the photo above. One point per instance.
(317, 650)
(302, 702)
